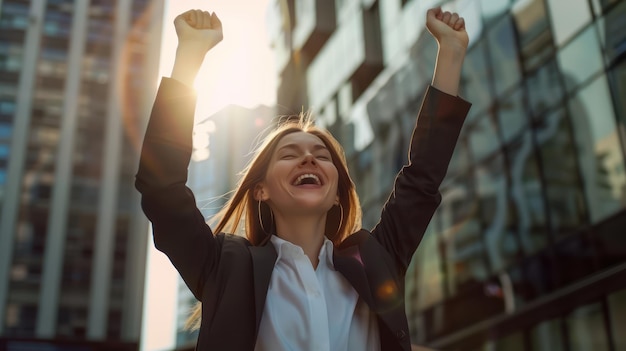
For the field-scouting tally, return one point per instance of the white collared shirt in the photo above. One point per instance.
(313, 309)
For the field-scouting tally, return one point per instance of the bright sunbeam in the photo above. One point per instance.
(239, 70)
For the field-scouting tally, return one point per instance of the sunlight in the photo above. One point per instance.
(239, 70)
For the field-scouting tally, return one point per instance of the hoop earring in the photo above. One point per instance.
(340, 218)
(261, 220)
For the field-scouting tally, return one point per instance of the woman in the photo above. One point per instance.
(306, 276)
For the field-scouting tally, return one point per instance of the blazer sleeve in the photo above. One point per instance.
(415, 196)
(178, 227)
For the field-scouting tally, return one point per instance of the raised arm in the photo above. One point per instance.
(415, 195)
(179, 228)
(198, 32)
(452, 40)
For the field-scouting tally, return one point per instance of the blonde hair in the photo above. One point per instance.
(242, 207)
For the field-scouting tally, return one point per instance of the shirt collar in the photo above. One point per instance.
(287, 249)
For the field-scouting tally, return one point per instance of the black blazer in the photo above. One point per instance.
(231, 277)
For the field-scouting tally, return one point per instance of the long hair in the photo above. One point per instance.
(242, 207)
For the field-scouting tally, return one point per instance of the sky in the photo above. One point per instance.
(240, 70)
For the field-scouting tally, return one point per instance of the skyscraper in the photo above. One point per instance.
(75, 94)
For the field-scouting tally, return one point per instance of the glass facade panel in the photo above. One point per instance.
(599, 6)
(580, 59)
(618, 83)
(586, 329)
(564, 26)
(544, 88)
(429, 275)
(461, 233)
(21, 319)
(475, 81)
(14, 15)
(617, 311)
(503, 55)
(72, 321)
(612, 31)
(483, 138)
(460, 161)
(563, 191)
(533, 32)
(501, 244)
(600, 156)
(493, 8)
(512, 342)
(547, 336)
(526, 195)
(512, 115)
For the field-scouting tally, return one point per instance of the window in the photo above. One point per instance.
(600, 156)
(527, 194)
(544, 88)
(503, 55)
(511, 342)
(560, 170)
(617, 310)
(429, 276)
(512, 116)
(461, 233)
(483, 138)
(580, 59)
(494, 8)
(586, 329)
(546, 336)
(475, 80)
(534, 35)
(567, 18)
(618, 81)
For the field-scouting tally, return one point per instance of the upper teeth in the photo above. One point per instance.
(308, 175)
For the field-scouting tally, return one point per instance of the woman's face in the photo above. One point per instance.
(301, 177)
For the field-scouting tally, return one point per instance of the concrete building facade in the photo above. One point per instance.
(74, 101)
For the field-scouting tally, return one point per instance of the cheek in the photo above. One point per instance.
(275, 174)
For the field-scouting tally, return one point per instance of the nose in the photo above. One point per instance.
(308, 158)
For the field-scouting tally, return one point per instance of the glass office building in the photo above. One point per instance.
(75, 94)
(528, 248)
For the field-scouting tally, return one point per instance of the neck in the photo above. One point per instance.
(305, 231)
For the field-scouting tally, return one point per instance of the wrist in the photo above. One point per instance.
(451, 53)
(452, 47)
(191, 50)
(187, 63)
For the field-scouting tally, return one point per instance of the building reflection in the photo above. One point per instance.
(527, 250)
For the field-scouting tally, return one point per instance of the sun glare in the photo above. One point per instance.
(239, 70)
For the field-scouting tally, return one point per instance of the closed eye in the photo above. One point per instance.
(323, 157)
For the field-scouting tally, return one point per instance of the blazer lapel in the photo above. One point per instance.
(263, 260)
(369, 269)
(349, 263)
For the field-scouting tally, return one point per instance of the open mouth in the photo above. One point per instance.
(307, 178)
